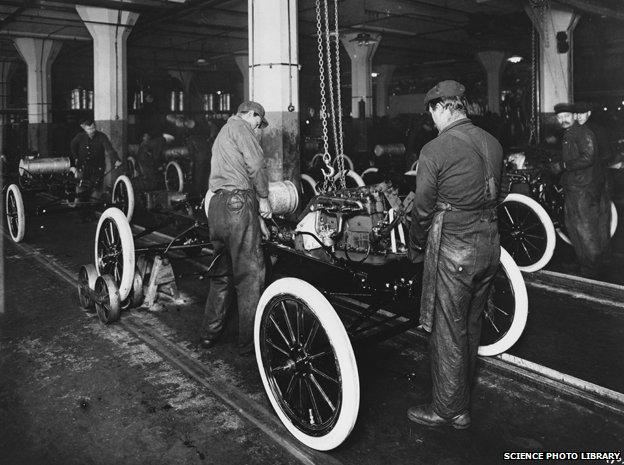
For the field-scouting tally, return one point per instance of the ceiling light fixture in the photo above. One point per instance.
(514, 59)
(364, 38)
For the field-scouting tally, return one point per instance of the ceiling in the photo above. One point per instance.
(425, 39)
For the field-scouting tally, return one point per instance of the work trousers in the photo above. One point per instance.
(588, 221)
(468, 260)
(235, 230)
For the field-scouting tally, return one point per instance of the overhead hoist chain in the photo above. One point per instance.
(326, 69)
(539, 8)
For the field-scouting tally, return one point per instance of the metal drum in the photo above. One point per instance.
(176, 152)
(44, 165)
(389, 149)
(283, 197)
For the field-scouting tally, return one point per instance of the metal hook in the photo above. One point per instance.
(331, 171)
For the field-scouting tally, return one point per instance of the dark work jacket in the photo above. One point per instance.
(605, 152)
(581, 165)
(90, 153)
(450, 171)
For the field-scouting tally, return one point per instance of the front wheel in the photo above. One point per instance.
(526, 231)
(15, 213)
(306, 363)
(505, 314)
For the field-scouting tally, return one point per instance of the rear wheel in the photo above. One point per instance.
(507, 309)
(114, 250)
(371, 176)
(174, 177)
(108, 305)
(306, 363)
(86, 282)
(526, 231)
(348, 163)
(15, 213)
(562, 233)
(308, 189)
(352, 179)
(123, 194)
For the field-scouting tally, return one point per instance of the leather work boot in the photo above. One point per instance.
(424, 415)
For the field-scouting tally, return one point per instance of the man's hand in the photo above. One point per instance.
(117, 163)
(266, 234)
(265, 208)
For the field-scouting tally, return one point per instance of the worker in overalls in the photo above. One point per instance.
(94, 157)
(454, 222)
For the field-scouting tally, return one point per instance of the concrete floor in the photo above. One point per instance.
(75, 391)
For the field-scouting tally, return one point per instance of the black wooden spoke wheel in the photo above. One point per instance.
(506, 310)
(108, 304)
(306, 363)
(87, 275)
(114, 250)
(15, 213)
(526, 232)
(123, 195)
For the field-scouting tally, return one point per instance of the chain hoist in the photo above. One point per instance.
(326, 68)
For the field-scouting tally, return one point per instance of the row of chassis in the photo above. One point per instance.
(319, 306)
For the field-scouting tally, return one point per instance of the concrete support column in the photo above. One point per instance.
(242, 60)
(493, 61)
(274, 82)
(555, 68)
(39, 54)
(361, 53)
(110, 30)
(6, 69)
(383, 79)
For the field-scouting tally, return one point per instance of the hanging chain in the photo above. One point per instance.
(340, 147)
(328, 175)
(533, 119)
(330, 80)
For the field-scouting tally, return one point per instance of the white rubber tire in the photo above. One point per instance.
(372, 169)
(123, 179)
(311, 182)
(314, 158)
(521, 310)
(340, 343)
(549, 227)
(14, 191)
(132, 165)
(612, 227)
(348, 162)
(174, 165)
(353, 175)
(127, 249)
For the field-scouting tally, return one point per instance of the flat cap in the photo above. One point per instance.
(256, 108)
(582, 107)
(447, 88)
(564, 108)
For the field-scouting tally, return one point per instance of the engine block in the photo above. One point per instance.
(364, 220)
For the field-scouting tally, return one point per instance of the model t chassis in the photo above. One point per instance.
(334, 288)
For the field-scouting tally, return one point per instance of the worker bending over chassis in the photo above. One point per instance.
(94, 157)
(241, 188)
(457, 188)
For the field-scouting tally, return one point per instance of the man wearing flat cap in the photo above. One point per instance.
(454, 217)
(587, 206)
(238, 192)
